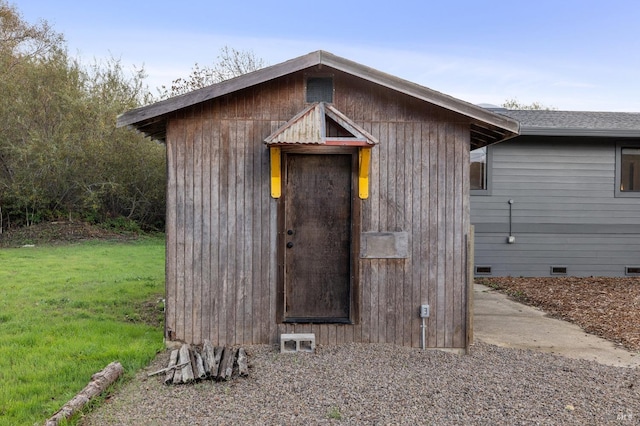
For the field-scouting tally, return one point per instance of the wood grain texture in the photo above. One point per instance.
(223, 275)
(318, 236)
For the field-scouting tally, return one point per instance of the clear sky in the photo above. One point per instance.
(569, 54)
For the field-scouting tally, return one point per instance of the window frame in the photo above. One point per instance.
(488, 177)
(620, 145)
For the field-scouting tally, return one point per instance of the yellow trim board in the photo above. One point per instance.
(276, 173)
(364, 159)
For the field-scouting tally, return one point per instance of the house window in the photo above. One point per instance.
(319, 89)
(479, 173)
(628, 170)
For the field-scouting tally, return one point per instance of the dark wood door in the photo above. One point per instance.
(317, 238)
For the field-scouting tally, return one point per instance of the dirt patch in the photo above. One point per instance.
(150, 312)
(61, 232)
(607, 307)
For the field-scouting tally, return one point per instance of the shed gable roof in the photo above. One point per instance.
(487, 127)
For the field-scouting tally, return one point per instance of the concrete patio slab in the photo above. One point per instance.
(501, 321)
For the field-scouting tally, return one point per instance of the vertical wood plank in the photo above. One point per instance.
(421, 219)
(442, 235)
(267, 254)
(189, 228)
(382, 278)
(197, 260)
(403, 170)
(180, 230)
(241, 276)
(259, 336)
(232, 233)
(270, 242)
(434, 219)
(468, 230)
(224, 256)
(370, 328)
(463, 231)
(415, 164)
(206, 229)
(248, 234)
(340, 333)
(457, 325)
(171, 237)
(332, 334)
(214, 238)
(269, 105)
(392, 284)
(409, 306)
(451, 194)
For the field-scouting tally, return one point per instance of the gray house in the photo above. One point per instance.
(563, 198)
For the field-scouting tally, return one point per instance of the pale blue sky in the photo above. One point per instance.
(570, 54)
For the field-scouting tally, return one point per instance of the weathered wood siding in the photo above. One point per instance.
(565, 212)
(222, 224)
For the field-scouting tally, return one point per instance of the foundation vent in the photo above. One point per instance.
(483, 270)
(632, 271)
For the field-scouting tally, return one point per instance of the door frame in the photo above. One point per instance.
(356, 222)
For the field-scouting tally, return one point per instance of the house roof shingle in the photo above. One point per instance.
(575, 123)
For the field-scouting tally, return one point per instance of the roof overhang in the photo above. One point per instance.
(572, 131)
(487, 127)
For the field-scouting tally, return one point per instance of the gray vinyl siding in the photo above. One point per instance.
(564, 210)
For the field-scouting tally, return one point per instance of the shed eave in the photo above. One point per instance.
(216, 90)
(140, 116)
(421, 92)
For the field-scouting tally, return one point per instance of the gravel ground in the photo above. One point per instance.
(376, 384)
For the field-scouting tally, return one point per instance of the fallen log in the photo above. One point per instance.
(208, 356)
(226, 365)
(199, 371)
(212, 357)
(187, 369)
(177, 376)
(219, 350)
(171, 369)
(98, 384)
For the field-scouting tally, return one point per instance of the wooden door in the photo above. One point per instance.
(317, 238)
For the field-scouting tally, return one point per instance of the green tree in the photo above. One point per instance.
(20, 41)
(230, 63)
(60, 152)
(23, 49)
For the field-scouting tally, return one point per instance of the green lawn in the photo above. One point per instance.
(68, 311)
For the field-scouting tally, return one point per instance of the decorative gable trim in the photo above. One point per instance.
(309, 126)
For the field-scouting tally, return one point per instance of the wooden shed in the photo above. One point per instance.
(318, 196)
